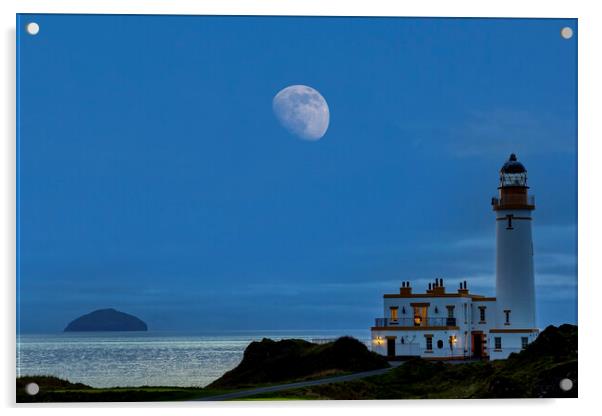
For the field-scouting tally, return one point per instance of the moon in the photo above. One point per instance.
(302, 111)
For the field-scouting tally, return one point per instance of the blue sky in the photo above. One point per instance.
(154, 177)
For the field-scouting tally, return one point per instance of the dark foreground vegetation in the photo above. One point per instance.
(534, 372)
(53, 389)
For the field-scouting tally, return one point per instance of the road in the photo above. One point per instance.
(280, 387)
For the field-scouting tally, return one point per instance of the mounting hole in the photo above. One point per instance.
(32, 389)
(566, 384)
(33, 28)
(566, 32)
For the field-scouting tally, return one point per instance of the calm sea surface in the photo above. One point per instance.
(110, 359)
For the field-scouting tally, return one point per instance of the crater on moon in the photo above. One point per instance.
(302, 111)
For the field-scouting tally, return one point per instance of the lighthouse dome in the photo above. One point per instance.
(513, 166)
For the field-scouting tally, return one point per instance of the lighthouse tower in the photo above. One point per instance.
(515, 283)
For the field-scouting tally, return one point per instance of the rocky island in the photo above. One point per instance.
(106, 320)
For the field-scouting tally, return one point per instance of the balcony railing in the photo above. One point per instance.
(407, 322)
(512, 201)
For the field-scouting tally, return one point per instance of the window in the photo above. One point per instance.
(498, 343)
(524, 341)
(452, 341)
(507, 313)
(393, 310)
(429, 343)
(440, 344)
(420, 313)
(450, 311)
(482, 314)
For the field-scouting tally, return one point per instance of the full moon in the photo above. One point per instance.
(302, 111)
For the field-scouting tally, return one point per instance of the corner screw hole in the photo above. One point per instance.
(32, 389)
(566, 384)
(566, 32)
(33, 28)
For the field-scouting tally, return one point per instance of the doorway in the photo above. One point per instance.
(391, 347)
(477, 345)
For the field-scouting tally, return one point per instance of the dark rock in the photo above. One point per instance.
(106, 320)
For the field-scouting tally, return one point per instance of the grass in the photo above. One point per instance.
(56, 390)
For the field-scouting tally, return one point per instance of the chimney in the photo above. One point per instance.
(438, 289)
(405, 289)
(463, 290)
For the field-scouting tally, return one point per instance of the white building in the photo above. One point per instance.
(438, 324)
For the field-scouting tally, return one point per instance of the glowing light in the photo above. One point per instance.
(379, 340)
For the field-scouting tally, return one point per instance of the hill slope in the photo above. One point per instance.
(271, 361)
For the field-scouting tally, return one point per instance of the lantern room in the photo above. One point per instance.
(513, 174)
(513, 194)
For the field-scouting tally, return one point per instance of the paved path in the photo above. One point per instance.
(280, 387)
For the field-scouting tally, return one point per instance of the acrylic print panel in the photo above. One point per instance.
(216, 204)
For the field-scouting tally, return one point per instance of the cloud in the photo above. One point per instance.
(495, 131)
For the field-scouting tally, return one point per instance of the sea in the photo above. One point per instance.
(131, 359)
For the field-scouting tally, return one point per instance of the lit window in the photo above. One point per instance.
(507, 313)
(420, 313)
(524, 341)
(394, 310)
(498, 343)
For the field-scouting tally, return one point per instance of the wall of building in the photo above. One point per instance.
(490, 315)
(510, 342)
(415, 343)
(437, 308)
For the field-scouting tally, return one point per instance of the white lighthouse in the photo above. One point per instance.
(515, 283)
(514, 278)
